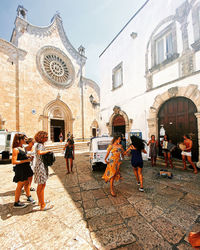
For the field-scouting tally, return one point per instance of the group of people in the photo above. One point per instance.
(28, 162)
(116, 152)
(166, 145)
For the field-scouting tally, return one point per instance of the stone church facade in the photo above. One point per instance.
(42, 82)
(151, 74)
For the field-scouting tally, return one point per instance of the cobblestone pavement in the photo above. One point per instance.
(85, 216)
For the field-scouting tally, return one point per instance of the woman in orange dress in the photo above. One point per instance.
(112, 171)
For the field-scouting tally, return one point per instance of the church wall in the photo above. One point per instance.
(49, 75)
(35, 88)
(7, 96)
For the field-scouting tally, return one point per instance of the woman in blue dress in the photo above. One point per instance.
(136, 148)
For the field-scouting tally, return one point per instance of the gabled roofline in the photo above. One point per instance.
(137, 12)
(56, 22)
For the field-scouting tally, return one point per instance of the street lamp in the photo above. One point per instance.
(91, 98)
(94, 103)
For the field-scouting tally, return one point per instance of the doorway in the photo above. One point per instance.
(94, 132)
(57, 126)
(118, 125)
(177, 116)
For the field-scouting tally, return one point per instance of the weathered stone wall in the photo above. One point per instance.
(7, 93)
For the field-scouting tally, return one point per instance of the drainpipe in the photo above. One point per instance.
(81, 50)
(17, 92)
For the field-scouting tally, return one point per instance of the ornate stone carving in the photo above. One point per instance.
(173, 91)
(55, 67)
(149, 82)
(186, 63)
(57, 113)
(116, 110)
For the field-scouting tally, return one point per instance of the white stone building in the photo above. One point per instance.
(150, 73)
(42, 82)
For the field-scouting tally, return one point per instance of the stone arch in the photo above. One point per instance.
(59, 110)
(191, 92)
(117, 111)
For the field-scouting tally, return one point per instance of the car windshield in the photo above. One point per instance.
(103, 145)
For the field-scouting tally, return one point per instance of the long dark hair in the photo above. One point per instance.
(138, 143)
(188, 137)
(17, 139)
(115, 137)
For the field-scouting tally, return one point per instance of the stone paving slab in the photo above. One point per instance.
(86, 216)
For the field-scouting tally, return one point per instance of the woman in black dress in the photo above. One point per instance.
(22, 170)
(69, 154)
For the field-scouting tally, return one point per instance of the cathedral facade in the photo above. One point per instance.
(42, 82)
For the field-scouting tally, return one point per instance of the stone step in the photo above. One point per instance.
(58, 147)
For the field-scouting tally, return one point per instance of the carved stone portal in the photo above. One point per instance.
(191, 92)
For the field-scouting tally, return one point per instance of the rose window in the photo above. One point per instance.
(55, 67)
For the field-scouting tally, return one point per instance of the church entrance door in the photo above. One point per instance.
(177, 116)
(57, 126)
(118, 125)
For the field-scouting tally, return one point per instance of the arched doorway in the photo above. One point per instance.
(57, 118)
(94, 128)
(118, 124)
(177, 116)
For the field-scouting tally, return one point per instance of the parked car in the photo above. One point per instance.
(98, 150)
(6, 140)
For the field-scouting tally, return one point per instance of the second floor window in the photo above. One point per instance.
(117, 76)
(164, 48)
(164, 45)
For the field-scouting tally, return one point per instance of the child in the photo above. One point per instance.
(137, 147)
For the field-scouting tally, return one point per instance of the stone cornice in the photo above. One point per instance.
(12, 51)
(22, 26)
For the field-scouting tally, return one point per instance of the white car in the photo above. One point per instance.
(6, 140)
(98, 150)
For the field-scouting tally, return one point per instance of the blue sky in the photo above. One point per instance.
(91, 23)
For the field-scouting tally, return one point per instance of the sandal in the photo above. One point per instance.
(113, 194)
(46, 208)
(46, 202)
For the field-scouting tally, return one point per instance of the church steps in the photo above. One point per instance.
(58, 147)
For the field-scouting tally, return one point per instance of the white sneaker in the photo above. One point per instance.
(141, 189)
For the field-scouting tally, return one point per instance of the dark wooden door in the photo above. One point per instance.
(118, 125)
(177, 116)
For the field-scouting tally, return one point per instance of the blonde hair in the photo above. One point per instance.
(39, 137)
